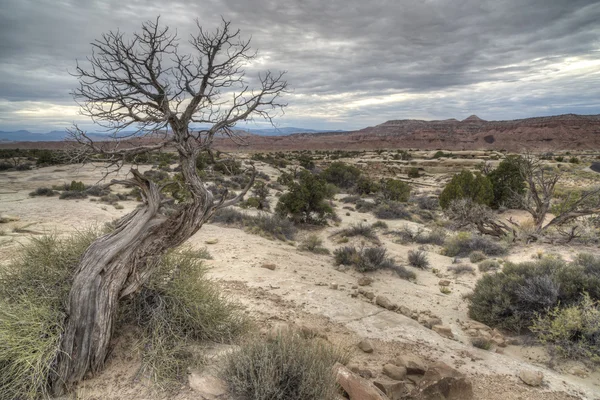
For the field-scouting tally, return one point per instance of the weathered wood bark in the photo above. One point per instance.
(117, 264)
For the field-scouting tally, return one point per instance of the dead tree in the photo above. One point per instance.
(149, 96)
(538, 198)
(465, 213)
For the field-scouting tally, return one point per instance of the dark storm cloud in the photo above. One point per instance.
(351, 63)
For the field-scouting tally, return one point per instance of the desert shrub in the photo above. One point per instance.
(559, 158)
(391, 210)
(344, 255)
(574, 160)
(467, 185)
(33, 294)
(477, 256)
(481, 343)
(228, 216)
(365, 259)
(428, 203)
(77, 186)
(463, 243)
(507, 182)
(177, 306)
(418, 259)
(283, 367)
(461, 269)
(43, 191)
(364, 205)
(435, 236)
(395, 190)
(228, 166)
(440, 154)
(261, 192)
(72, 194)
(340, 174)
(514, 297)
(350, 199)
(23, 167)
(4, 166)
(314, 244)
(305, 201)
(271, 226)
(97, 190)
(359, 229)
(572, 332)
(413, 172)
(366, 185)
(488, 265)
(379, 225)
(48, 157)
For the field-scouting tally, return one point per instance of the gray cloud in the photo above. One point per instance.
(350, 63)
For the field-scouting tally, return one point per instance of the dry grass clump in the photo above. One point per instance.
(418, 259)
(314, 244)
(464, 243)
(392, 210)
(366, 259)
(360, 229)
(43, 191)
(286, 367)
(178, 306)
(33, 293)
(461, 269)
(489, 265)
(477, 256)
(271, 226)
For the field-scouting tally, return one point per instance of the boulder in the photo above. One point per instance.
(356, 387)
(207, 387)
(444, 282)
(365, 281)
(395, 372)
(393, 389)
(383, 301)
(413, 364)
(366, 346)
(443, 330)
(269, 266)
(442, 382)
(531, 378)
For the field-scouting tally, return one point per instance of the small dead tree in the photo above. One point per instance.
(538, 198)
(465, 213)
(146, 85)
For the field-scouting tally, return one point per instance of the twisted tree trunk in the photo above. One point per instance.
(117, 264)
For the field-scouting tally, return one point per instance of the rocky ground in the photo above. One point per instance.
(285, 288)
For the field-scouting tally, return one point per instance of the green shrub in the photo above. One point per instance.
(574, 160)
(477, 256)
(507, 182)
(573, 331)
(77, 186)
(305, 201)
(488, 265)
(366, 185)
(413, 172)
(463, 243)
(369, 259)
(314, 244)
(395, 190)
(340, 174)
(513, 298)
(467, 185)
(379, 225)
(284, 367)
(261, 192)
(435, 236)
(72, 194)
(42, 191)
(418, 259)
(391, 210)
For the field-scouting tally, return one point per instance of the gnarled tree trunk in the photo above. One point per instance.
(117, 264)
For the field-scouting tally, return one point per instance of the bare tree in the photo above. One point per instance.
(538, 198)
(144, 88)
(465, 213)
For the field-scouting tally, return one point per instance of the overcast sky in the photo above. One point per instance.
(350, 63)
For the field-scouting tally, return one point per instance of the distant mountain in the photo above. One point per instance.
(559, 132)
(284, 131)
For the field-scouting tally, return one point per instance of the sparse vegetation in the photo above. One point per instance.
(314, 244)
(391, 210)
(461, 269)
(268, 225)
(43, 191)
(477, 256)
(418, 259)
(283, 367)
(359, 229)
(467, 185)
(488, 265)
(369, 259)
(464, 243)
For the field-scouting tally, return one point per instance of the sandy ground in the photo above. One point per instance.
(298, 291)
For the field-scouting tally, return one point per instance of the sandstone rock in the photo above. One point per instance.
(354, 293)
(366, 346)
(365, 373)
(413, 364)
(395, 372)
(532, 378)
(445, 282)
(8, 218)
(212, 241)
(364, 281)
(442, 382)
(356, 387)
(405, 311)
(207, 387)
(333, 286)
(393, 389)
(269, 266)
(443, 330)
(430, 322)
(579, 372)
(383, 301)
